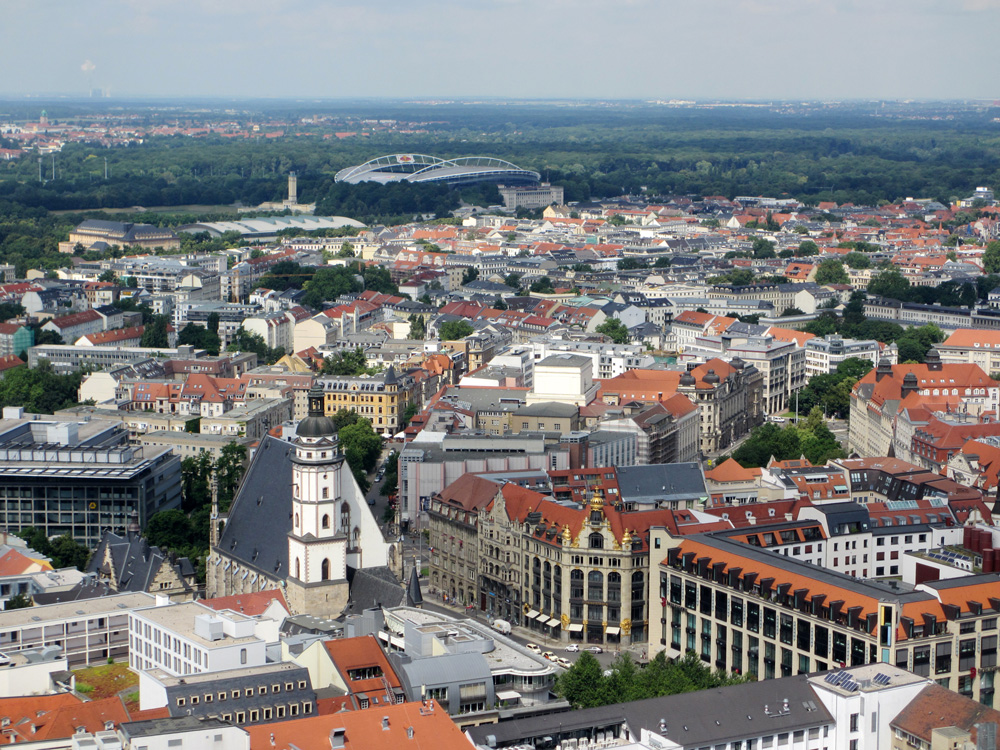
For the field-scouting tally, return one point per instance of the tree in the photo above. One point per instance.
(736, 277)
(361, 447)
(471, 274)
(991, 257)
(328, 283)
(108, 277)
(154, 334)
(66, 552)
(248, 341)
(831, 272)
(791, 311)
(513, 280)
(346, 251)
(200, 337)
(889, 283)
(662, 262)
(229, 471)
(615, 330)
(806, 248)
(10, 310)
(20, 600)
(453, 330)
(630, 264)
(378, 279)
(762, 248)
(582, 684)
(855, 259)
(196, 474)
(169, 529)
(39, 390)
(348, 362)
(418, 328)
(542, 285)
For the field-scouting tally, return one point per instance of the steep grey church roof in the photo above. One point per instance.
(260, 519)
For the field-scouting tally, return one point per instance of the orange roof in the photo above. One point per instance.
(790, 334)
(358, 653)
(387, 727)
(57, 717)
(14, 563)
(252, 604)
(974, 339)
(730, 471)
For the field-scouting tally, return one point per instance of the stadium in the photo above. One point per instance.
(464, 170)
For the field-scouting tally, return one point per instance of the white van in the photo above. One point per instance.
(501, 626)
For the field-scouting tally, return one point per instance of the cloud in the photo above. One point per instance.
(88, 66)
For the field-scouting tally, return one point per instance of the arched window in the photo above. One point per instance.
(298, 568)
(296, 520)
(326, 521)
(595, 585)
(356, 538)
(596, 541)
(324, 574)
(345, 517)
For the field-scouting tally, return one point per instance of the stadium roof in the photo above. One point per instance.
(423, 168)
(267, 228)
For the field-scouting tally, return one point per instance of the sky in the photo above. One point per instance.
(420, 49)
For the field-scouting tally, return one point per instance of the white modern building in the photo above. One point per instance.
(189, 638)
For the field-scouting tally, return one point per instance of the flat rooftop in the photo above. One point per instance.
(169, 680)
(104, 605)
(179, 618)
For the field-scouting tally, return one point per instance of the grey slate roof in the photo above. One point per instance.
(264, 494)
(375, 587)
(661, 482)
(696, 719)
(136, 563)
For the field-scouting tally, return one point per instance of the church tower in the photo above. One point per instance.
(321, 516)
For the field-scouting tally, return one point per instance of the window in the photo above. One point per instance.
(243, 656)
(854, 722)
(922, 660)
(326, 521)
(942, 658)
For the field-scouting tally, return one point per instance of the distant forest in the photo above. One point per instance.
(594, 151)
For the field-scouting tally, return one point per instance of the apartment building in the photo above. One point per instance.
(742, 609)
(824, 354)
(89, 631)
(382, 399)
(971, 346)
(881, 394)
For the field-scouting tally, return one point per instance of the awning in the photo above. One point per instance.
(550, 621)
(613, 631)
(508, 695)
(532, 614)
(575, 627)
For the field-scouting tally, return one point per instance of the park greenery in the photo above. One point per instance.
(810, 437)
(453, 330)
(586, 685)
(39, 390)
(615, 330)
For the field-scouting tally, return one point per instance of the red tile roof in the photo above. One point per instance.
(387, 727)
(252, 605)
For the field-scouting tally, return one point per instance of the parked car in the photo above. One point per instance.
(563, 662)
(549, 655)
(573, 647)
(533, 647)
(595, 649)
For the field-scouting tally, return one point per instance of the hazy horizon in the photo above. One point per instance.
(733, 50)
